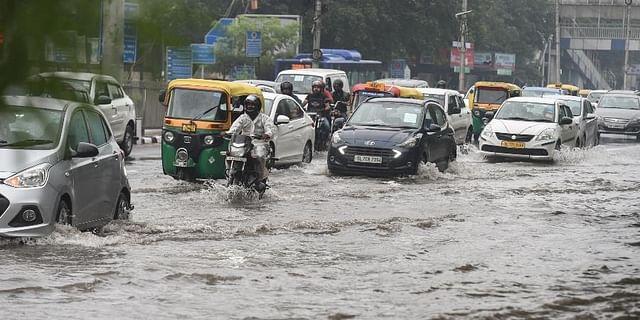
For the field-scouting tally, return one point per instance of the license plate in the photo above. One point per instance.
(230, 158)
(512, 144)
(367, 159)
(616, 125)
(189, 127)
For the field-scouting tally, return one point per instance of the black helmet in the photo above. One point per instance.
(252, 105)
(441, 84)
(317, 84)
(337, 84)
(286, 86)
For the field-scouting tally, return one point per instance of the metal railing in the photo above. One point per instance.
(602, 32)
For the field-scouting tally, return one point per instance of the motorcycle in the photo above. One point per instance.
(338, 116)
(241, 162)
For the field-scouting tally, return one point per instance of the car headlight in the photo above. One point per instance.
(336, 139)
(547, 134)
(411, 142)
(168, 136)
(634, 121)
(208, 140)
(487, 132)
(33, 177)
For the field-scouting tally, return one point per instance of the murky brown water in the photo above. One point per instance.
(495, 240)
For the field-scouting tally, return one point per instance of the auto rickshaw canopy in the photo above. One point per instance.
(503, 85)
(232, 89)
(396, 91)
(573, 90)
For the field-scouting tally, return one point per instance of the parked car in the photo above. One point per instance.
(619, 114)
(458, 115)
(303, 78)
(103, 91)
(388, 136)
(60, 164)
(529, 127)
(294, 140)
(407, 83)
(584, 116)
(264, 85)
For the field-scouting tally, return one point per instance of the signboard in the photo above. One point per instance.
(94, 50)
(454, 59)
(457, 69)
(504, 72)
(633, 69)
(483, 60)
(396, 68)
(243, 72)
(202, 53)
(505, 61)
(253, 48)
(129, 54)
(178, 63)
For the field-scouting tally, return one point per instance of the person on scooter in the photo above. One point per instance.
(441, 84)
(254, 122)
(287, 88)
(318, 102)
(338, 93)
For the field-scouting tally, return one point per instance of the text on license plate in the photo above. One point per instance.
(513, 144)
(367, 159)
(189, 127)
(615, 125)
(230, 158)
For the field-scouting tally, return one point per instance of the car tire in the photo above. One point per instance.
(127, 141)
(307, 153)
(122, 207)
(63, 213)
(442, 165)
(579, 143)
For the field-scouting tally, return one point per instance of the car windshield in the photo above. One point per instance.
(491, 95)
(387, 114)
(433, 96)
(301, 82)
(539, 92)
(198, 104)
(595, 96)
(619, 102)
(575, 106)
(29, 127)
(59, 88)
(526, 111)
(268, 103)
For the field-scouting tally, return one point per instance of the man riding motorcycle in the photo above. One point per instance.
(287, 88)
(253, 122)
(318, 102)
(338, 93)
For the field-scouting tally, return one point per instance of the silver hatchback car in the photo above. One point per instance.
(59, 163)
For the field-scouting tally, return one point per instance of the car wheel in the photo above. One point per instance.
(558, 145)
(453, 155)
(307, 153)
(442, 165)
(578, 143)
(122, 207)
(127, 141)
(63, 215)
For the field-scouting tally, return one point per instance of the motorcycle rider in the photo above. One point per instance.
(254, 122)
(287, 88)
(441, 84)
(338, 93)
(319, 102)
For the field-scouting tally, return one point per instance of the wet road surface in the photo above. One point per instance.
(484, 240)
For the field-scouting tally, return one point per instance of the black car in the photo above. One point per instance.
(388, 136)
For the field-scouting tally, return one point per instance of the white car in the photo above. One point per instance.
(585, 117)
(529, 127)
(595, 95)
(303, 78)
(458, 114)
(107, 94)
(294, 140)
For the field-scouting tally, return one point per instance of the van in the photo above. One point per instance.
(303, 78)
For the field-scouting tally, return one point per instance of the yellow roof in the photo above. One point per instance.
(410, 93)
(563, 86)
(231, 88)
(503, 85)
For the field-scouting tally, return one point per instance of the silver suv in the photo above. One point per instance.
(101, 90)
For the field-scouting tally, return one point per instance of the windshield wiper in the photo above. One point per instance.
(540, 120)
(204, 113)
(514, 118)
(28, 142)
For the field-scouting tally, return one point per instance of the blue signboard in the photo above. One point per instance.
(130, 35)
(254, 44)
(202, 53)
(218, 31)
(243, 72)
(396, 68)
(178, 63)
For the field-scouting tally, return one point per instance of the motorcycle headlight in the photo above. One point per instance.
(336, 139)
(169, 137)
(236, 151)
(411, 142)
(208, 140)
(30, 178)
(487, 132)
(547, 134)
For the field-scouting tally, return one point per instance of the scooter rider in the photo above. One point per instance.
(254, 122)
(338, 93)
(287, 88)
(319, 102)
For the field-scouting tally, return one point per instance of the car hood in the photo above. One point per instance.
(382, 137)
(618, 113)
(14, 161)
(520, 127)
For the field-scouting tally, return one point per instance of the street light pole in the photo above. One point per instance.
(558, 55)
(316, 31)
(627, 16)
(463, 46)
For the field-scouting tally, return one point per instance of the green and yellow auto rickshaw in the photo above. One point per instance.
(198, 114)
(488, 96)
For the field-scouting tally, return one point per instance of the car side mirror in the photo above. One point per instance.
(434, 128)
(590, 116)
(566, 120)
(85, 150)
(162, 96)
(282, 119)
(103, 100)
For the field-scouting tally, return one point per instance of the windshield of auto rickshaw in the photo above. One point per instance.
(491, 95)
(198, 104)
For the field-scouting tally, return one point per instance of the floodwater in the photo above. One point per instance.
(499, 240)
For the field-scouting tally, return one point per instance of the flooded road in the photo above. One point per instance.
(483, 240)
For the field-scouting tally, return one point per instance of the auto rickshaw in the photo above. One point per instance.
(198, 114)
(364, 91)
(584, 93)
(573, 90)
(488, 96)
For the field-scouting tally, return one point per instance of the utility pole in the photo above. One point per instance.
(113, 38)
(317, 17)
(463, 46)
(558, 41)
(627, 16)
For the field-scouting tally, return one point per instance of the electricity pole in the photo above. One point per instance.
(113, 38)
(558, 41)
(626, 44)
(463, 48)
(316, 31)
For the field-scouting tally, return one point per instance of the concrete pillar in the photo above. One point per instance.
(113, 38)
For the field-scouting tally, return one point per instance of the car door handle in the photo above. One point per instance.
(290, 127)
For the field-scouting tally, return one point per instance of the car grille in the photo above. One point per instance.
(616, 121)
(4, 204)
(530, 152)
(514, 137)
(366, 151)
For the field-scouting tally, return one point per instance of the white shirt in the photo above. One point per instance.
(261, 125)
